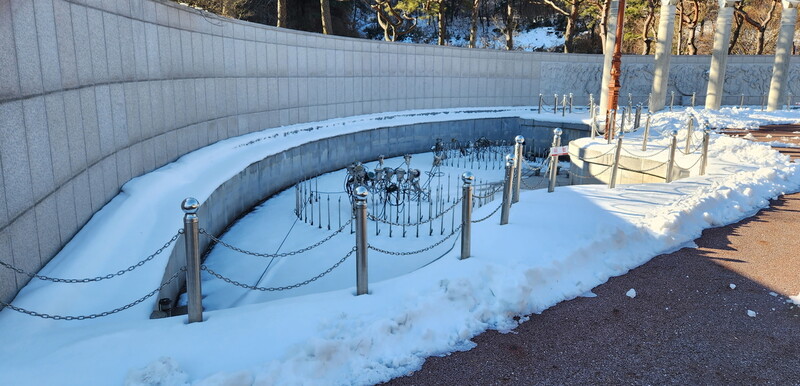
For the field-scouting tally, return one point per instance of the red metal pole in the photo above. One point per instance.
(616, 62)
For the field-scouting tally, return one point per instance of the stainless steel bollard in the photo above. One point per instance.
(519, 141)
(612, 183)
(541, 102)
(671, 100)
(612, 124)
(704, 160)
(191, 234)
(554, 161)
(671, 162)
(509, 182)
(594, 126)
(741, 102)
(564, 105)
(570, 103)
(694, 95)
(555, 103)
(637, 120)
(689, 132)
(763, 102)
(646, 131)
(360, 211)
(591, 105)
(466, 214)
(622, 121)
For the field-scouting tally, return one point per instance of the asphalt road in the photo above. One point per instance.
(685, 326)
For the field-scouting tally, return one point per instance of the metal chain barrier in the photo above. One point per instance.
(283, 288)
(644, 155)
(699, 158)
(380, 220)
(96, 278)
(595, 174)
(646, 170)
(455, 231)
(596, 157)
(99, 315)
(488, 195)
(275, 255)
(490, 214)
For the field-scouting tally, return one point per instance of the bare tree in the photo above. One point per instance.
(510, 22)
(760, 27)
(690, 19)
(649, 21)
(473, 25)
(394, 22)
(570, 9)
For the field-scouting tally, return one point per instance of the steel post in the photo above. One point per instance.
(541, 102)
(689, 131)
(671, 162)
(519, 141)
(509, 182)
(704, 160)
(612, 183)
(646, 131)
(360, 195)
(191, 234)
(466, 214)
(553, 170)
(671, 99)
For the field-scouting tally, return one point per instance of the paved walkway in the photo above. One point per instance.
(686, 325)
(788, 134)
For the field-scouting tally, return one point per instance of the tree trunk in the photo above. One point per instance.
(442, 25)
(510, 26)
(648, 25)
(569, 34)
(473, 26)
(282, 14)
(325, 12)
(739, 20)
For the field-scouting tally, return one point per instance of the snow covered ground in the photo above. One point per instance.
(556, 247)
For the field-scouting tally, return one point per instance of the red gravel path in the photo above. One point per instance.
(686, 326)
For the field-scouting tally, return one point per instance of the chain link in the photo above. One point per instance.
(644, 155)
(645, 170)
(596, 157)
(488, 195)
(693, 165)
(380, 220)
(96, 278)
(284, 288)
(94, 316)
(275, 255)
(490, 214)
(455, 231)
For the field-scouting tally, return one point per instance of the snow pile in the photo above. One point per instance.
(583, 236)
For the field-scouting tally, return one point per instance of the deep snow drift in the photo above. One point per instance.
(556, 247)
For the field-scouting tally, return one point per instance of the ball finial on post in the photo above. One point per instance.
(519, 139)
(557, 131)
(190, 205)
(467, 177)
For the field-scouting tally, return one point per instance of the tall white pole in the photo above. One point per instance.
(719, 56)
(778, 87)
(666, 30)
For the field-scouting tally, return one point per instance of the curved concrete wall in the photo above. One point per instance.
(96, 92)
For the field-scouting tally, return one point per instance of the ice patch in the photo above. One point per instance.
(733, 286)
(795, 299)
(588, 294)
(631, 293)
(751, 313)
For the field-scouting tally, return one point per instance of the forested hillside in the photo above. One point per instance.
(534, 25)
